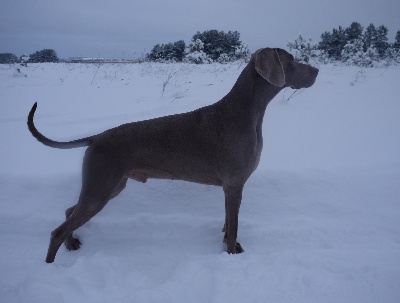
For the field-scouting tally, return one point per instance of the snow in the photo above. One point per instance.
(319, 222)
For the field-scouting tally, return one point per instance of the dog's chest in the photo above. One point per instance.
(257, 149)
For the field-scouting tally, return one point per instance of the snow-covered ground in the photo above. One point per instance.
(320, 218)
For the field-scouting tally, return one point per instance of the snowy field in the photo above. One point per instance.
(319, 222)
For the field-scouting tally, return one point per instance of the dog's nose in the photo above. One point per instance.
(314, 70)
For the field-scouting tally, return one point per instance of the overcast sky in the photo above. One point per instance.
(129, 28)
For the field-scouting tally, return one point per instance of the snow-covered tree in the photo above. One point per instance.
(371, 56)
(369, 37)
(195, 53)
(353, 52)
(381, 41)
(344, 45)
(205, 47)
(167, 52)
(353, 32)
(241, 52)
(45, 55)
(224, 58)
(396, 43)
(304, 50)
(8, 58)
(392, 56)
(333, 43)
(219, 45)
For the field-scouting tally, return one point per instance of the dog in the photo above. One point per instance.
(219, 145)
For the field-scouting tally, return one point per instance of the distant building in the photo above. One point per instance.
(87, 60)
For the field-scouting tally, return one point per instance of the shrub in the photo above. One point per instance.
(218, 44)
(8, 58)
(168, 52)
(45, 55)
(195, 53)
(205, 47)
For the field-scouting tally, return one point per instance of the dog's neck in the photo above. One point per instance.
(249, 97)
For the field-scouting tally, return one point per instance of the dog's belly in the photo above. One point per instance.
(142, 174)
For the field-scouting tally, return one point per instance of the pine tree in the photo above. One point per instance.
(353, 32)
(333, 44)
(396, 43)
(381, 43)
(338, 42)
(178, 50)
(369, 37)
(325, 43)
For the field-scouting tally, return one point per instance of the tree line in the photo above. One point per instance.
(354, 45)
(206, 47)
(44, 55)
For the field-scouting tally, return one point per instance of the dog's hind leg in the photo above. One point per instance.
(120, 187)
(82, 214)
(100, 182)
(71, 243)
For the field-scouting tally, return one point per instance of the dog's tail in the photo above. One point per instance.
(46, 141)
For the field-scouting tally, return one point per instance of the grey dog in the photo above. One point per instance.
(218, 145)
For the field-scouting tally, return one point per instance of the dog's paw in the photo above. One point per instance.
(72, 243)
(237, 249)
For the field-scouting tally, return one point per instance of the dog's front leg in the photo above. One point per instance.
(233, 198)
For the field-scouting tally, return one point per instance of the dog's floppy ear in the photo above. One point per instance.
(269, 66)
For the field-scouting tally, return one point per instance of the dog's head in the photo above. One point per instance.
(279, 68)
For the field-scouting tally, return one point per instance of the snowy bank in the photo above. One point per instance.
(319, 220)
